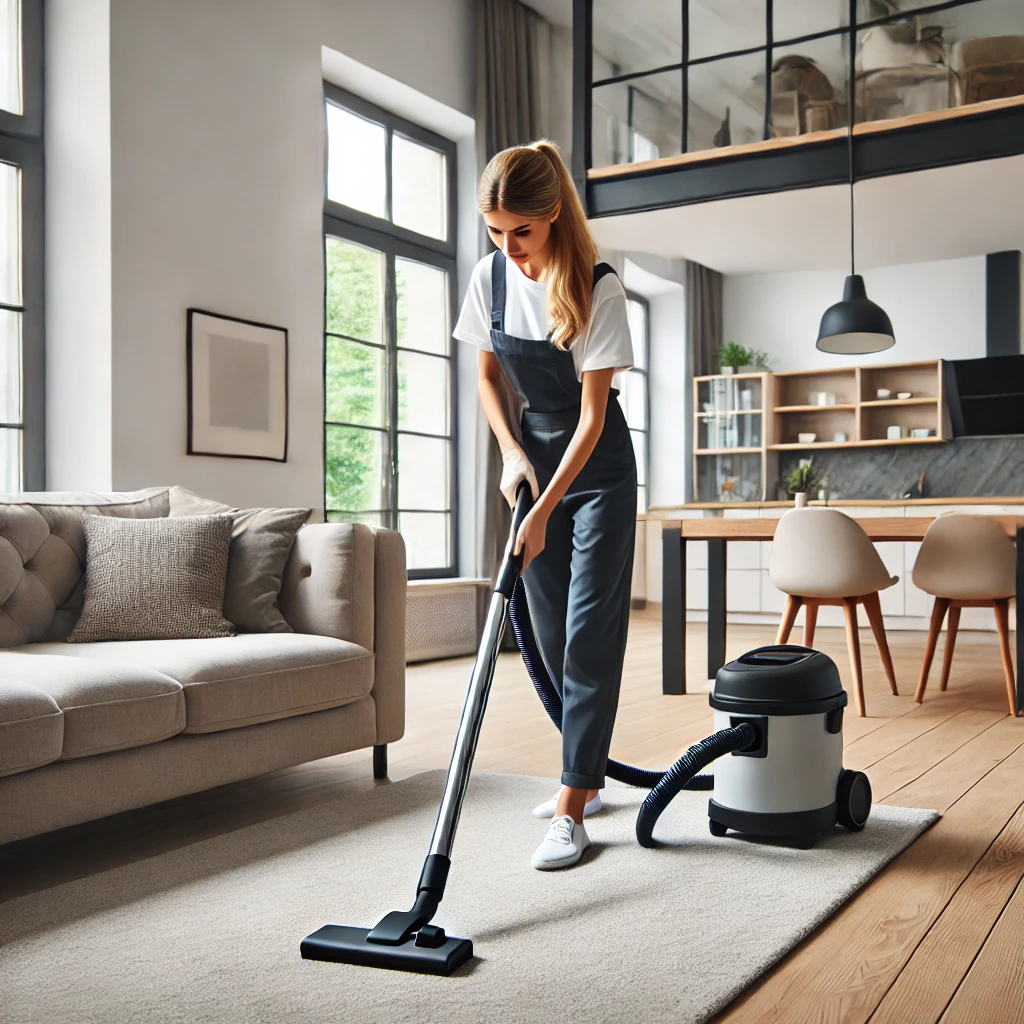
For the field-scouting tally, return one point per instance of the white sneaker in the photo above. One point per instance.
(563, 844)
(548, 808)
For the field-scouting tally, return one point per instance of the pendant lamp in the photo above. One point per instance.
(856, 325)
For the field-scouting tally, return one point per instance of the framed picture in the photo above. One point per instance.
(237, 387)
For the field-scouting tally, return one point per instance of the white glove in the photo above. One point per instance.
(516, 467)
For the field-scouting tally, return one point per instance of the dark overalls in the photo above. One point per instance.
(578, 587)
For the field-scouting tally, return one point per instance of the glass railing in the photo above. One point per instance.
(685, 76)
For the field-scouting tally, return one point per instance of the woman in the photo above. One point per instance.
(555, 325)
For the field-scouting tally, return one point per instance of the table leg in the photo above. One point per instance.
(716, 605)
(1020, 622)
(673, 610)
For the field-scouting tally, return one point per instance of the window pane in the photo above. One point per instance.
(793, 18)
(653, 37)
(641, 500)
(726, 102)
(640, 451)
(10, 461)
(10, 367)
(726, 25)
(356, 171)
(422, 393)
(809, 86)
(422, 306)
(637, 120)
(370, 518)
(357, 383)
(355, 289)
(10, 56)
(419, 202)
(633, 398)
(637, 314)
(356, 479)
(426, 539)
(10, 234)
(423, 472)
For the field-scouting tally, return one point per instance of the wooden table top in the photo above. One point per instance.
(880, 528)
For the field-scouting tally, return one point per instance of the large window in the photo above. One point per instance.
(22, 443)
(633, 393)
(389, 248)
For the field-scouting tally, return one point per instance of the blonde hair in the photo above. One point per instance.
(529, 181)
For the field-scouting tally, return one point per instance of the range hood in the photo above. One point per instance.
(985, 396)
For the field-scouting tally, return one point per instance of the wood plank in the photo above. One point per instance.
(654, 511)
(844, 972)
(994, 987)
(926, 985)
(878, 529)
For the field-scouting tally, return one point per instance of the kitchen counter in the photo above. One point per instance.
(668, 511)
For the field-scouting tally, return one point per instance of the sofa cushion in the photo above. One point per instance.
(42, 556)
(106, 705)
(244, 679)
(31, 727)
(261, 540)
(154, 579)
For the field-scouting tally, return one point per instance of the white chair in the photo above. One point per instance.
(820, 556)
(966, 561)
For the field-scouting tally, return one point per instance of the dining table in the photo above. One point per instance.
(717, 532)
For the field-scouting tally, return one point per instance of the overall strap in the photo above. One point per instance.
(602, 270)
(498, 269)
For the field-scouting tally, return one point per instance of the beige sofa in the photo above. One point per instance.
(91, 729)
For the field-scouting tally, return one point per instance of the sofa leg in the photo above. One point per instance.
(380, 761)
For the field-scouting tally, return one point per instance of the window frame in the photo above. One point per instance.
(21, 144)
(645, 373)
(395, 242)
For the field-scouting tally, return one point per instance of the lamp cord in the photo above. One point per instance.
(851, 89)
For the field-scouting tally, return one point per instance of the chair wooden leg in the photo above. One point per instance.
(853, 643)
(874, 609)
(810, 621)
(1002, 608)
(938, 614)
(947, 652)
(788, 618)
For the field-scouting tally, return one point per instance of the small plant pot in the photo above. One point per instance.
(800, 499)
(728, 371)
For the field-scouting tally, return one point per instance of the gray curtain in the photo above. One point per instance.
(703, 298)
(509, 106)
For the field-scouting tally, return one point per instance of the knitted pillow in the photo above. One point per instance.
(154, 579)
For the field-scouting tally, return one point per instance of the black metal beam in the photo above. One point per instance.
(673, 610)
(582, 101)
(1002, 303)
(979, 136)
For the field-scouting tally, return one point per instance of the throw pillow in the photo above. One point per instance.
(261, 541)
(154, 579)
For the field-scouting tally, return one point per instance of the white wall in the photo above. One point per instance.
(79, 422)
(937, 311)
(216, 185)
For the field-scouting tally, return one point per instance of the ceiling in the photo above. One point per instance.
(946, 213)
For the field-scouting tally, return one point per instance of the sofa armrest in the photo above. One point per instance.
(348, 580)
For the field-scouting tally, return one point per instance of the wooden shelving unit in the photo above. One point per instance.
(735, 447)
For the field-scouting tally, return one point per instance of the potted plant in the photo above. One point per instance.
(804, 479)
(731, 357)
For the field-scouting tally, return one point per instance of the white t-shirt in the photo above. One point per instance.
(605, 344)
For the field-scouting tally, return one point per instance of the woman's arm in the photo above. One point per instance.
(489, 375)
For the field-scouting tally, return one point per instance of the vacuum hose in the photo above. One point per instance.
(663, 785)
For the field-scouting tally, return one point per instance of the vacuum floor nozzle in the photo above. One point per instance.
(342, 944)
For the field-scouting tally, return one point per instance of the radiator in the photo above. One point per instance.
(444, 617)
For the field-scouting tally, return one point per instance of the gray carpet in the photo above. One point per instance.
(211, 932)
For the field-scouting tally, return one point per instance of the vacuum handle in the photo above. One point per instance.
(512, 564)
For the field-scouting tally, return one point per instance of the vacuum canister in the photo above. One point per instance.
(792, 781)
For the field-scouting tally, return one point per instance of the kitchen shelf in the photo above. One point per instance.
(877, 403)
(727, 451)
(869, 443)
(815, 408)
(728, 412)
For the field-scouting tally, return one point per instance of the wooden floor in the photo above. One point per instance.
(937, 936)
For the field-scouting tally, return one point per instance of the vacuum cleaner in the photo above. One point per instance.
(778, 715)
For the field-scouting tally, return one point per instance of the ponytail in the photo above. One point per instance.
(530, 181)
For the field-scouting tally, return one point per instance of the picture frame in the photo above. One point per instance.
(237, 374)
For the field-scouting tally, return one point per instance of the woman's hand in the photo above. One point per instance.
(531, 534)
(515, 468)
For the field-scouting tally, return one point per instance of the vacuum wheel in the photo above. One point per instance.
(717, 828)
(853, 800)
